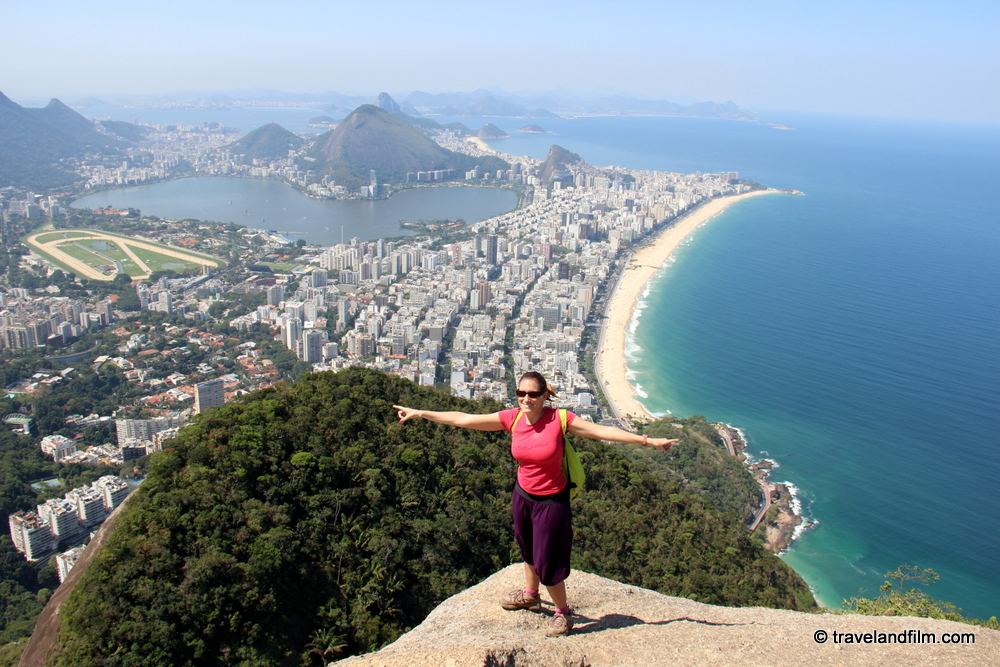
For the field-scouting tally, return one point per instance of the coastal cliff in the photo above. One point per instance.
(618, 624)
(778, 519)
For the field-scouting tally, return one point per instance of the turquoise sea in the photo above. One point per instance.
(853, 333)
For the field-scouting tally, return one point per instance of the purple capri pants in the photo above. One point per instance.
(544, 532)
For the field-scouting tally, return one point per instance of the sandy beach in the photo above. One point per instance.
(643, 265)
(482, 145)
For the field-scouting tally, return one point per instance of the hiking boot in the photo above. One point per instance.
(518, 600)
(561, 625)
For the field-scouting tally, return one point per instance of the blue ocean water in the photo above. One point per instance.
(852, 332)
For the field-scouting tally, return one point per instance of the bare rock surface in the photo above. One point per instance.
(43, 638)
(618, 624)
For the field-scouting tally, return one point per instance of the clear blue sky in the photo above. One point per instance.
(936, 60)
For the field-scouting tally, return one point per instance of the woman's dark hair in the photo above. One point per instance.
(540, 381)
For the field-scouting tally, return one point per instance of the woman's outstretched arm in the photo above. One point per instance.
(490, 422)
(587, 429)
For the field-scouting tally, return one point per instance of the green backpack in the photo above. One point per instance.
(572, 468)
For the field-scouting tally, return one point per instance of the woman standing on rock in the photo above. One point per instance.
(540, 502)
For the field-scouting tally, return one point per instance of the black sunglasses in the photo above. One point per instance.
(529, 394)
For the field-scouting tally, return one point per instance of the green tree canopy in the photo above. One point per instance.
(306, 516)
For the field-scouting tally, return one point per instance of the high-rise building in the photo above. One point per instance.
(57, 446)
(66, 560)
(166, 301)
(275, 295)
(492, 243)
(479, 297)
(548, 315)
(106, 310)
(312, 346)
(292, 333)
(295, 309)
(143, 429)
(310, 311)
(209, 394)
(113, 491)
(30, 534)
(62, 518)
(89, 505)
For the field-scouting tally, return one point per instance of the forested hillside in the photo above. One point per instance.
(304, 517)
(34, 143)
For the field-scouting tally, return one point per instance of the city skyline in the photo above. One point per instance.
(913, 60)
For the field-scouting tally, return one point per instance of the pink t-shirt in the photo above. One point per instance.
(538, 450)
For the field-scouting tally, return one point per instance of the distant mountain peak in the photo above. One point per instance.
(386, 102)
(558, 162)
(33, 142)
(374, 139)
(491, 131)
(268, 142)
(56, 103)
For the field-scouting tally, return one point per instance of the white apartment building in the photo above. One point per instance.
(62, 518)
(58, 446)
(89, 504)
(30, 534)
(66, 560)
(113, 491)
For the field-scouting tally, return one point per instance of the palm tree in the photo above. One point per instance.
(325, 643)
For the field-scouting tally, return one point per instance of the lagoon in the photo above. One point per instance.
(272, 205)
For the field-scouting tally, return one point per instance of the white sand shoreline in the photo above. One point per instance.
(611, 364)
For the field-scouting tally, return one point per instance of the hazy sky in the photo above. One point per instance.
(938, 60)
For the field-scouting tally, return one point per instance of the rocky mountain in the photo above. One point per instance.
(618, 625)
(386, 102)
(60, 116)
(557, 164)
(491, 131)
(268, 142)
(322, 120)
(371, 138)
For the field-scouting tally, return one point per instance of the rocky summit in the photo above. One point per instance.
(618, 624)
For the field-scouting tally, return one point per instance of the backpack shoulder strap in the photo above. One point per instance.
(520, 413)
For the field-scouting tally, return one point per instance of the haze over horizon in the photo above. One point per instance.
(888, 58)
